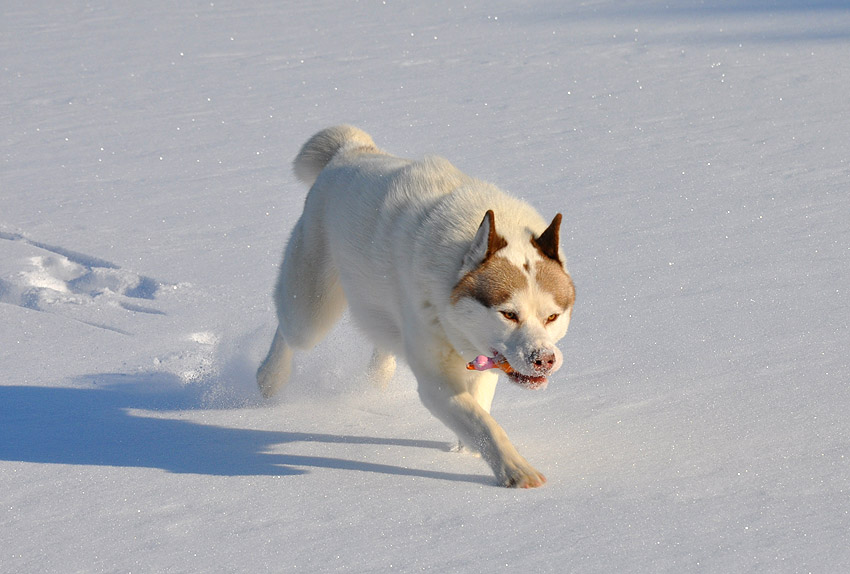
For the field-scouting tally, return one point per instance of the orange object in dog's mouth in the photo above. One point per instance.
(483, 363)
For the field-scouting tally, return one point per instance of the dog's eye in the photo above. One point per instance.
(551, 318)
(510, 316)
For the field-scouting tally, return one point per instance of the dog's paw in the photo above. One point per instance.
(520, 474)
(461, 448)
(274, 373)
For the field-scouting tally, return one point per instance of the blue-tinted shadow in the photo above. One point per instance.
(95, 426)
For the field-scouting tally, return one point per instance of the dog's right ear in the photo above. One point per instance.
(485, 244)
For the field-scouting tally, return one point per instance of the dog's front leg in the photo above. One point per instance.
(446, 395)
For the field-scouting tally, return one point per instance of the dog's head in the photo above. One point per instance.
(514, 300)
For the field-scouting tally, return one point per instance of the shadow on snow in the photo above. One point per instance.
(94, 426)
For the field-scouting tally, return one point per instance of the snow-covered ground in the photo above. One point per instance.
(698, 150)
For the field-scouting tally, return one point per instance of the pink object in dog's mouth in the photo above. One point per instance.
(483, 363)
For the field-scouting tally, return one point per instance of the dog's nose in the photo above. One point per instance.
(543, 361)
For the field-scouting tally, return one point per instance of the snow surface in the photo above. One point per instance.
(699, 152)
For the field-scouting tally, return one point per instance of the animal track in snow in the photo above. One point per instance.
(88, 289)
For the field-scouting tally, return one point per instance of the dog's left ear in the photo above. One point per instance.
(548, 242)
(485, 244)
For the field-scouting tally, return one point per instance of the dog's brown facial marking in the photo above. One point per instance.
(552, 278)
(492, 283)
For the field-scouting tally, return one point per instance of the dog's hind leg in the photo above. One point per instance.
(309, 300)
(381, 368)
(276, 368)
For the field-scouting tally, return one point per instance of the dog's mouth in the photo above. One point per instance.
(529, 382)
(498, 361)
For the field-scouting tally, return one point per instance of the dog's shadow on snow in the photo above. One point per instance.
(96, 425)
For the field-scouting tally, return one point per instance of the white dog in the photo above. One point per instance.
(443, 270)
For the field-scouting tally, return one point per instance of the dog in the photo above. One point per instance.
(440, 269)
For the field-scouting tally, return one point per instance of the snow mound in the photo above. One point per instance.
(46, 278)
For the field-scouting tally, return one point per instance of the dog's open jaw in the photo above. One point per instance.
(498, 361)
(493, 280)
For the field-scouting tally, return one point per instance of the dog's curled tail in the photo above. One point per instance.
(322, 147)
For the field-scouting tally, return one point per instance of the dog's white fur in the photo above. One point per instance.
(403, 243)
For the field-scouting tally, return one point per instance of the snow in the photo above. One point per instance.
(699, 154)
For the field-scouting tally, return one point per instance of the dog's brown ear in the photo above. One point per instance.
(548, 242)
(486, 242)
(494, 240)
